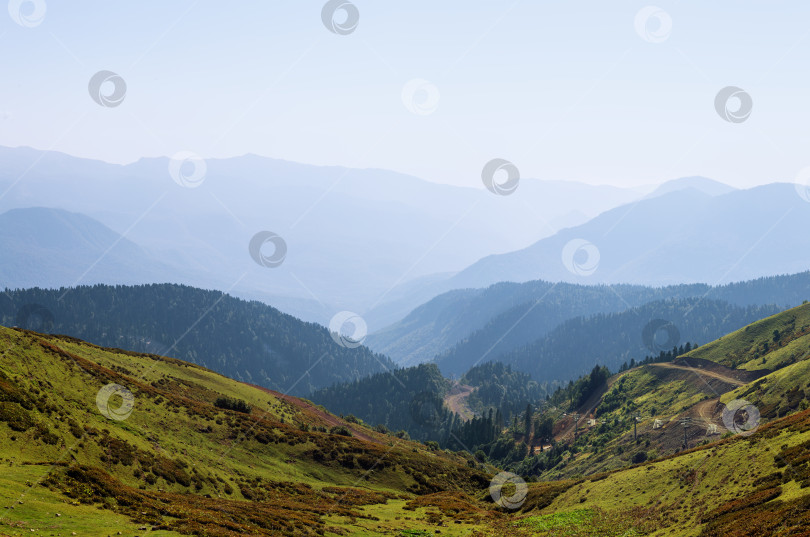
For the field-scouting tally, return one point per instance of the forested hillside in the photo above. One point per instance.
(248, 341)
(407, 399)
(572, 348)
(484, 317)
(498, 386)
(507, 315)
(412, 400)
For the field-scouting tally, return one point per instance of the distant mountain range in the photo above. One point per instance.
(375, 242)
(355, 238)
(610, 339)
(685, 236)
(53, 248)
(484, 323)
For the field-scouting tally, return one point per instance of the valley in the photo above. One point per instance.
(421, 269)
(180, 461)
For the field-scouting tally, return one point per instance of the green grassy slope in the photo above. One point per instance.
(742, 486)
(725, 483)
(778, 339)
(180, 464)
(772, 373)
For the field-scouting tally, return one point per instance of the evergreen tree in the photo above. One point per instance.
(527, 427)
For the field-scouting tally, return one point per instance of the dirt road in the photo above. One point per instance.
(702, 372)
(456, 401)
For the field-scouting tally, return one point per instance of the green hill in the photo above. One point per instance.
(771, 343)
(181, 462)
(198, 453)
(772, 373)
(743, 486)
(249, 341)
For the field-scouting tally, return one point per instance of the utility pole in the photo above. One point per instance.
(636, 419)
(686, 422)
(576, 426)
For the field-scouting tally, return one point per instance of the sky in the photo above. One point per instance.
(598, 92)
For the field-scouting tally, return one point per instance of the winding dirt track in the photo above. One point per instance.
(456, 401)
(706, 410)
(702, 372)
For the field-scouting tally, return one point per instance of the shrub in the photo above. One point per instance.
(232, 404)
(16, 417)
(341, 430)
(639, 457)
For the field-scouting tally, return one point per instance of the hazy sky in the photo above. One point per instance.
(564, 90)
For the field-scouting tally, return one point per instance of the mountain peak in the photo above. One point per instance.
(697, 182)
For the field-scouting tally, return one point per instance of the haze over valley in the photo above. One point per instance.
(336, 268)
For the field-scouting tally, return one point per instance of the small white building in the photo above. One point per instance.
(657, 424)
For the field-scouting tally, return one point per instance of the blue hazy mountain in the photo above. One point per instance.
(51, 248)
(685, 236)
(353, 236)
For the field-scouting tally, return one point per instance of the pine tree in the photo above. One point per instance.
(527, 426)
